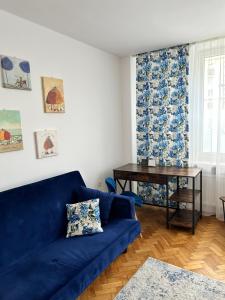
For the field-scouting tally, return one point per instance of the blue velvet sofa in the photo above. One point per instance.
(37, 262)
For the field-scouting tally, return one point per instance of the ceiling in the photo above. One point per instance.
(126, 27)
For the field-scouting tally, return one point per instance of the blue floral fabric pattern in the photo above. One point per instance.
(162, 114)
(83, 218)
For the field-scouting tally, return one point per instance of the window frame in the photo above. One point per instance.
(205, 156)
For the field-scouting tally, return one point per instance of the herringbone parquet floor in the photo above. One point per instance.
(202, 253)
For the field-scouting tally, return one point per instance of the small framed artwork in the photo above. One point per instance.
(10, 131)
(144, 162)
(53, 95)
(15, 73)
(46, 143)
(151, 163)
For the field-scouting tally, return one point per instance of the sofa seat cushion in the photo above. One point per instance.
(64, 268)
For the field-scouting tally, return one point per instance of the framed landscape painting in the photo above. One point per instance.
(15, 73)
(46, 143)
(53, 95)
(10, 131)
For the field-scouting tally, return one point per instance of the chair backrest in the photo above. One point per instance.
(111, 184)
(34, 215)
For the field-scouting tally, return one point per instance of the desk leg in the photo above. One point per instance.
(178, 186)
(122, 187)
(201, 194)
(193, 205)
(115, 183)
(167, 203)
(223, 211)
(130, 182)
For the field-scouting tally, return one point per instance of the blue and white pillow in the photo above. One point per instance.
(83, 218)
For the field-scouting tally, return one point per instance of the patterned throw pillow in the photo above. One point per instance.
(83, 218)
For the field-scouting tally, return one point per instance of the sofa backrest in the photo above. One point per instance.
(34, 215)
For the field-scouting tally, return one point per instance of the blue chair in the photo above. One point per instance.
(111, 185)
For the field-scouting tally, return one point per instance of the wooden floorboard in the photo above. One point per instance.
(203, 252)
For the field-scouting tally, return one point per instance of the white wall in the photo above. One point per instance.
(128, 79)
(89, 133)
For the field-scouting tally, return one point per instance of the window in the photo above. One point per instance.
(214, 105)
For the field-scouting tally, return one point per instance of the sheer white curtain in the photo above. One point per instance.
(207, 119)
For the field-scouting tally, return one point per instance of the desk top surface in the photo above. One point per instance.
(167, 171)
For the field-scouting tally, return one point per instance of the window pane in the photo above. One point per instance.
(211, 103)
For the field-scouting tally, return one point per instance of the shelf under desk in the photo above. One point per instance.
(161, 175)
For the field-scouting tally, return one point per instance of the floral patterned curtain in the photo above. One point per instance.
(162, 114)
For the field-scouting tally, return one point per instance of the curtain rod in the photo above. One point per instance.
(142, 53)
(192, 43)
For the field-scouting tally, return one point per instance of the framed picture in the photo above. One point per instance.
(144, 162)
(53, 95)
(15, 73)
(46, 143)
(10, 131)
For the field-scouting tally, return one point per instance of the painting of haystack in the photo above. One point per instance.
(53, 95)
(10, 131)
(46, 143)
(15, 73)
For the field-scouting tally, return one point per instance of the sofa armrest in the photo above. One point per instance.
(122, 207)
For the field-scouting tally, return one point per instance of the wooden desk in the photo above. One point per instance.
(161, 175)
